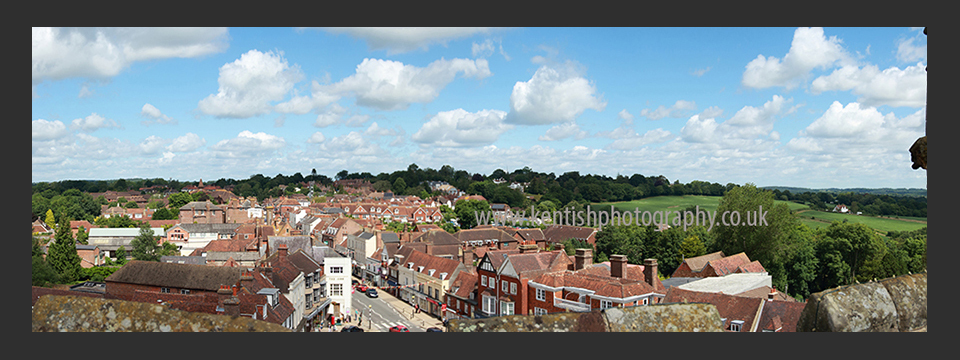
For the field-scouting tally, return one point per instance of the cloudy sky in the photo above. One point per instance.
(808, 107)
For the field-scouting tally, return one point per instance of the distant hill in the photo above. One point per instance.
(880, 191)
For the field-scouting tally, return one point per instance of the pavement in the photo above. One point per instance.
(423, 320)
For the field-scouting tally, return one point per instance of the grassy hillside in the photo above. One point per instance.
(880, 224)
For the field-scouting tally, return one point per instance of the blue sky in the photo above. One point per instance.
(808, 107)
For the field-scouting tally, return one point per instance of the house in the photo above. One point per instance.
(504, 276)
(190, 237)
(90, 255)
(290, 280)
(583, 290)
(531, 236)
(336, 269)
(461, 299)
(338, 230)
(438, 243)
(841, 209)
(111, 239)
(239, 252)
(738, 314)
(41, 227)
(425, 279)
(559, 233)
(202, 212)
(716, 264)
(316, 301)
(194, 260)
(76, 225)
(359, 247)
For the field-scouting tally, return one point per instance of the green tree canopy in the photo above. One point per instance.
(176, 200)
(399, 186)
(145, 245)
(764, 239)
(467, 211)
(62, 254)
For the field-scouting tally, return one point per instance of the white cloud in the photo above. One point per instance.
(92, 123)
(553, 95)
(700, 72)
(635, 140)
(100, 53)
(248, 145)
(249, 84)
(391, 85)
(401, 40)
(846, 121)
(332, 116)
(152, 144)
(711, 112)
(153, 113)
(303, 104)
(483, 50)
(679, 109)
(908, 52)
(810, 49)
(458, 128)
(893, 87)
(699, 130)
(186, 143)
(316, 138)
(42, 130)
(563, 131)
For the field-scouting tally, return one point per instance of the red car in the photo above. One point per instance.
(362, 288)
(399, 328)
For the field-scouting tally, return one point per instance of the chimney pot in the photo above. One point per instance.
(772, 294)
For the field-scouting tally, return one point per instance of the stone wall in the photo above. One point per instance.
(897, 304)
(652, 318)
(54, 313)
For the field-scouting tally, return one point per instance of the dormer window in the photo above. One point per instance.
(420, 269)
(736, 325)
(431, 271)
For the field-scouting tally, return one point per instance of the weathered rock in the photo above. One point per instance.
(918, 153)
(909, 294)
(54, 313)
(895, 304)
(653, 318)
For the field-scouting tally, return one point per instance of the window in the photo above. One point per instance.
(646, 301)
(483, 280)
(604, 304)
(185, 291)
(165, 290)
(506, 308)
(504, 287)
(735, 325)
(336, 289)
(336, 269)
(489, 304)
(541, 295)
(513, 288)
(539, 311)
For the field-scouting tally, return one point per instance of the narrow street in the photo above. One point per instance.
(385, 311)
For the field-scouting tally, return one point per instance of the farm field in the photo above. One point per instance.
(678, 203)
(880, 224)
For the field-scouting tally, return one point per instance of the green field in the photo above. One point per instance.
(879, 224)
(710, 203)
(679, 203)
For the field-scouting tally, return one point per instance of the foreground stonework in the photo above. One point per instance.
(54, 313)
(653, 318)
(897, 304)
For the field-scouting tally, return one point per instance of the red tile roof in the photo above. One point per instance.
(730, 307)
(729, 264)
(697, 263)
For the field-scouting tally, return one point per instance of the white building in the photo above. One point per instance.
(336, 269)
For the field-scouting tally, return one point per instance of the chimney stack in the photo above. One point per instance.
(618, 266)
(582, 259)
(282, 251)
(773, 293)
(650, 272)
(528, 248)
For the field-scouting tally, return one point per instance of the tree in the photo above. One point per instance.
(82, 236)
(165, 214)
(692, 246)
(763, 239)
(468, 210)
(42, 273)
(399, 185)
(121, 255)
(50, 220)
(382, 185)
(145, 245)
(62, 254)
(176, 200)
(131, 205)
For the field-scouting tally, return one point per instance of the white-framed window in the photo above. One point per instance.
(336, 289)
(604, 304)
(483, 280)
(336, 269)
(513, 288)
(504, 287)
(541, 295)
(489, 304)
(165, 290)
(646, 301)
(185, 291)
(539, 311)
(736, 325)
(506, 308)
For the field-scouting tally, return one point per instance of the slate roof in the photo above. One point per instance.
(304, 261)
(389, 237)
(294, 243)
(438, 238)
(187, 276)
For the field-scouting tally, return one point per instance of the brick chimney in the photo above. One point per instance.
(618, 265)
(650, 272)
(426, 248)
(772, 294)
(582, 259)
(528, 248)
(557, 246)
(282, 251)
(246, 279)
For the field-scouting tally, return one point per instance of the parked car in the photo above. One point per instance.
(351, 328)
(355, 282)
(434, 329)
(371, 292)
(362, 287)
(399, 328)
